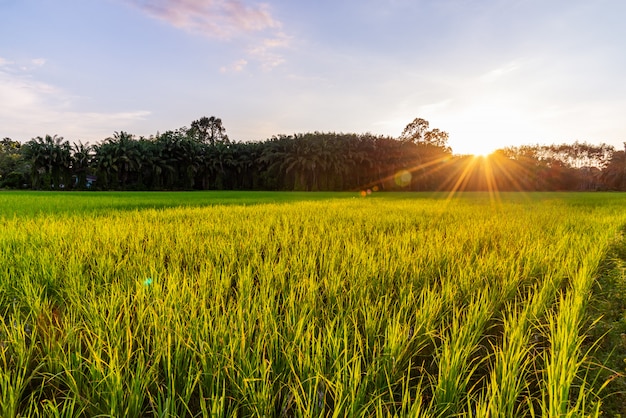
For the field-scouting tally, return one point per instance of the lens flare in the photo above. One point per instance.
(403, 178)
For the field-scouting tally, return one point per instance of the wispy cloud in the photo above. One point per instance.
(501, 71)
(18, 92)
(217, 18)
(30, 107)
(266, 52)
(236, 66)
(38, 62)
(249, 23)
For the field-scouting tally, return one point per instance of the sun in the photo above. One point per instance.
(482, 150)
(476, 148)
(476, 143)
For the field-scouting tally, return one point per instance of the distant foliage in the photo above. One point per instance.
(202, 157)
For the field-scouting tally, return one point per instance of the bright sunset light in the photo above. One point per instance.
(492, 74)
(290, 208)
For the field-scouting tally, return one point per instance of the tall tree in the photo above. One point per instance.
(415, 131)
(429, 155)
(208, 131)
(614, 174)
(418, 132)
(12, 165)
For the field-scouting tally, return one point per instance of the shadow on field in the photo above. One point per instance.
(37, 203)
(608, 307)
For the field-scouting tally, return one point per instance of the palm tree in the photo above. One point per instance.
(270, 160)
(80, 163)
(296, 160)
(240, 170)
(118, 158)
(106, 165)
(189, 160)
(50, 159)
(156, 171)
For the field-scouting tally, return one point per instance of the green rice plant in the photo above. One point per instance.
(394, 305)
(509, 375)
(566, 357)
(456, 359)
(17, 360)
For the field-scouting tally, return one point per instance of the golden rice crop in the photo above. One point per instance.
(393, 305)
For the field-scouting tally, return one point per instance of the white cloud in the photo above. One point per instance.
(18, 92)
(29, 107)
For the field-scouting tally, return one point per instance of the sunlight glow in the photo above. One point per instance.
(481, 149)
(493, 174)
(483, 154)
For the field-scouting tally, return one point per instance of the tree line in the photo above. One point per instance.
(202, 157)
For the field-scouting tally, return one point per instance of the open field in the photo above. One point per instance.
(286, 304)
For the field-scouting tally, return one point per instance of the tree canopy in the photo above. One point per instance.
(203, 157)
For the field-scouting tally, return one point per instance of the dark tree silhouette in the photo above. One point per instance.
(208, 131)
(203, 157)
(50, 159)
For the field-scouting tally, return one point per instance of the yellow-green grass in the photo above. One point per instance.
(314, 305)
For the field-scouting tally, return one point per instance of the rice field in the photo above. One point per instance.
(301, 305)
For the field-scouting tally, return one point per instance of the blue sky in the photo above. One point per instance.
(492, 73)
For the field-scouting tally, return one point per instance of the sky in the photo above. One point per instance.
(491, 73)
